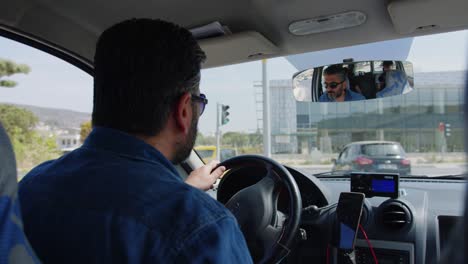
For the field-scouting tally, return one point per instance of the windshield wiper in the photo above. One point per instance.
(463, 176)
(336, 173)
(347, 173)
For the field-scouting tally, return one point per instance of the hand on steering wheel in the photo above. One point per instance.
(255, 207)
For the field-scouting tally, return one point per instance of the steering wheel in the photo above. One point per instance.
(268, 233)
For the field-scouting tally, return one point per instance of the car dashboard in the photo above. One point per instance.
(412, 228)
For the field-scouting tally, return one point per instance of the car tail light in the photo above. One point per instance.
(405, 162)
(363, 161)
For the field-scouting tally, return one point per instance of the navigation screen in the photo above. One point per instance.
(376, 184)
(383, 186)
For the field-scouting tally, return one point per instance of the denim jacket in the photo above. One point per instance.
(117, 199)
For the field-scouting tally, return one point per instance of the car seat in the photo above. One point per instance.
(366, 83)
(14, 246)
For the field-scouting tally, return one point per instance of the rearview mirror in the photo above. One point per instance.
(353, 81)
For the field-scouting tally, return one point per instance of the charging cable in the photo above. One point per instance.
(369, 244)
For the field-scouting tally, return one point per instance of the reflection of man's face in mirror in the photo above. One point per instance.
(387, 66)
(337, 93)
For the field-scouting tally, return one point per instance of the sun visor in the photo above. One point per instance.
(429, 15)
(236, 48)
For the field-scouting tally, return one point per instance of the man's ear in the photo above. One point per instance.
(183, 113)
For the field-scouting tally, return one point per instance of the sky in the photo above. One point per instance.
(57, 84)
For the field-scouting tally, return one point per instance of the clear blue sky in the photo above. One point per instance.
(53, 83)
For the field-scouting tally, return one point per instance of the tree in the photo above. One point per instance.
(255, 139)
(18, 122)
(30, 147)
(8, 68)
(85, 129)
(235, 139)
(205, 140)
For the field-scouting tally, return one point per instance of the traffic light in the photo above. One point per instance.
(448, 130)
(441, 127)
(224, 114)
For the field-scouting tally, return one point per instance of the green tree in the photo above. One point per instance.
(9, 68)
(18, 122)
(235, 139)
(30, 147)
(205, 140)
(255, 139)
(85, 129)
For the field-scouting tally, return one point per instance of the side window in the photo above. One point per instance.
(362, 68)
(43, 103)
(378, 66)
(408, 68)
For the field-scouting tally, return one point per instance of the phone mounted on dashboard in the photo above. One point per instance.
(376, 184)
(348, 215)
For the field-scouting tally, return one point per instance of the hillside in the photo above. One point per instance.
(59, 118)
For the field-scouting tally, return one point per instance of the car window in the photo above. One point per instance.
(407, 66)
(378, 67)
(45, 104)
(362, 67)
(205, 153)
(381, 150)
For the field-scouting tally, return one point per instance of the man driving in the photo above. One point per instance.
(336, 85)
(119, 198)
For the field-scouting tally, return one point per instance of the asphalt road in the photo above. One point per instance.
(417, 169)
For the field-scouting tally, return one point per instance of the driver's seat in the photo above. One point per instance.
(14, 246)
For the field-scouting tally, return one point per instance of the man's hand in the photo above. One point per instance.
(203, 178)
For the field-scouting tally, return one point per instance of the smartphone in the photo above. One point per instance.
(348, 213)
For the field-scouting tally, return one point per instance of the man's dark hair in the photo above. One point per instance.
(142, 66)
(336, 69)
(387, 63)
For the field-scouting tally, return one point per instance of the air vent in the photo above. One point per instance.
(394, 215)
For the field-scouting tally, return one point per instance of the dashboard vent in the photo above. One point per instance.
(395, 215)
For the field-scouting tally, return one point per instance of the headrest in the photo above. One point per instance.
(14, 247)
(8, 181)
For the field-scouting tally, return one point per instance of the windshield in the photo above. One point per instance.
(419, 133)
(46, 105)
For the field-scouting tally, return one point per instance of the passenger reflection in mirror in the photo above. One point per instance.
(337, 86)
(386, 67)
(391, 82)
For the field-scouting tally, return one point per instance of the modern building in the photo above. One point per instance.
(283, 117)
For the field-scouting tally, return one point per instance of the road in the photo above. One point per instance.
(416, 169)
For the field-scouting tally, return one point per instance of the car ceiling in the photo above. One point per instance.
(260, 27)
